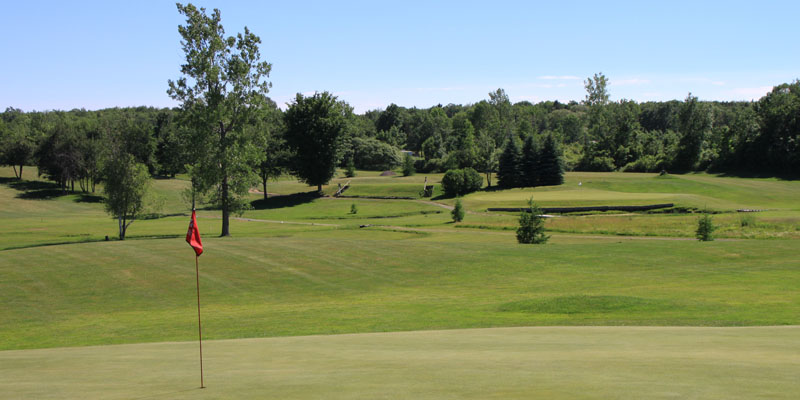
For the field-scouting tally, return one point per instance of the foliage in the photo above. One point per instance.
(694, 123)
(408, 165)
(372, 154)
(596, 92)
(551, 166)
(508, 170)
(530, 163)
(531, 225)
(223, 85)
(458, 211)
(458, 182)
(314, 126)
(353, 209)
(350, 168)
(705, 228)
(126, 183)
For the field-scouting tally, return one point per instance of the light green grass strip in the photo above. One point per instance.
(500, 363)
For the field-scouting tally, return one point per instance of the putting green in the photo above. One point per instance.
(503, 363)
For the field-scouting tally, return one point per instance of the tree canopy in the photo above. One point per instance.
(314, 127)
(223, 83)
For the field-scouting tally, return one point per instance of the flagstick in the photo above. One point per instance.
(199, 326)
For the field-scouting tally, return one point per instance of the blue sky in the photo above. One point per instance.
(97, 54)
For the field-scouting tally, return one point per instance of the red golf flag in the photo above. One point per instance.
(193, 236)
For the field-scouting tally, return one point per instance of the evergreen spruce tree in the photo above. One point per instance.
(551, 166)
(531, 226)
(529, 164)
(508, 170)
(705, 228)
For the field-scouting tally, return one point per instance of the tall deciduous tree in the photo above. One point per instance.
(223, 82)
(314, 126)
(596, 93)
(694, 121)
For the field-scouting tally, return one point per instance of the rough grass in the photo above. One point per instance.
(502, 363)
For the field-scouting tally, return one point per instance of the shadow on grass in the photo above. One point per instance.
(88, 198)
(284, 201)
(34, 190)
(84, 239)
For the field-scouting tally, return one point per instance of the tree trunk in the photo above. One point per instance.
(121, 228)
(226, 230)
(319, 189)
(265, 189)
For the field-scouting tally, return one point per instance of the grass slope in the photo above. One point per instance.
(372, 280)
(501, 363)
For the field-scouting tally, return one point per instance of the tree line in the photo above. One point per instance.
(229, 136)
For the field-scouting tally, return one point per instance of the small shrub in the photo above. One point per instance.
(458, 182)
(458, 211)
(705, 228)
(353, 208)
(747, 220)
(531, 226)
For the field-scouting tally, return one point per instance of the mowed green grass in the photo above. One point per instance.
(500, 363)
(375, 280)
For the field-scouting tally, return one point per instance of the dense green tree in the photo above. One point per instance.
(463, 150)
(223, 82)
(126, 183)
(778, 143)
(372, 154)
(458, 182)
(59, 157)
(530, 163)
(458, 211)
(408, 165)
(694, 121)
(17, 142)
(551, 166)
(314, 126)
(509, 174)
(394, 116)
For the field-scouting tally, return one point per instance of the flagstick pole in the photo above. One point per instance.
(199, 325)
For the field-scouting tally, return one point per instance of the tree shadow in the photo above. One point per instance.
(88, 198)
(37, 190)
(285, 201)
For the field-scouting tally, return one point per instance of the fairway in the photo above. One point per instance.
(500, 363)
(400, 301)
